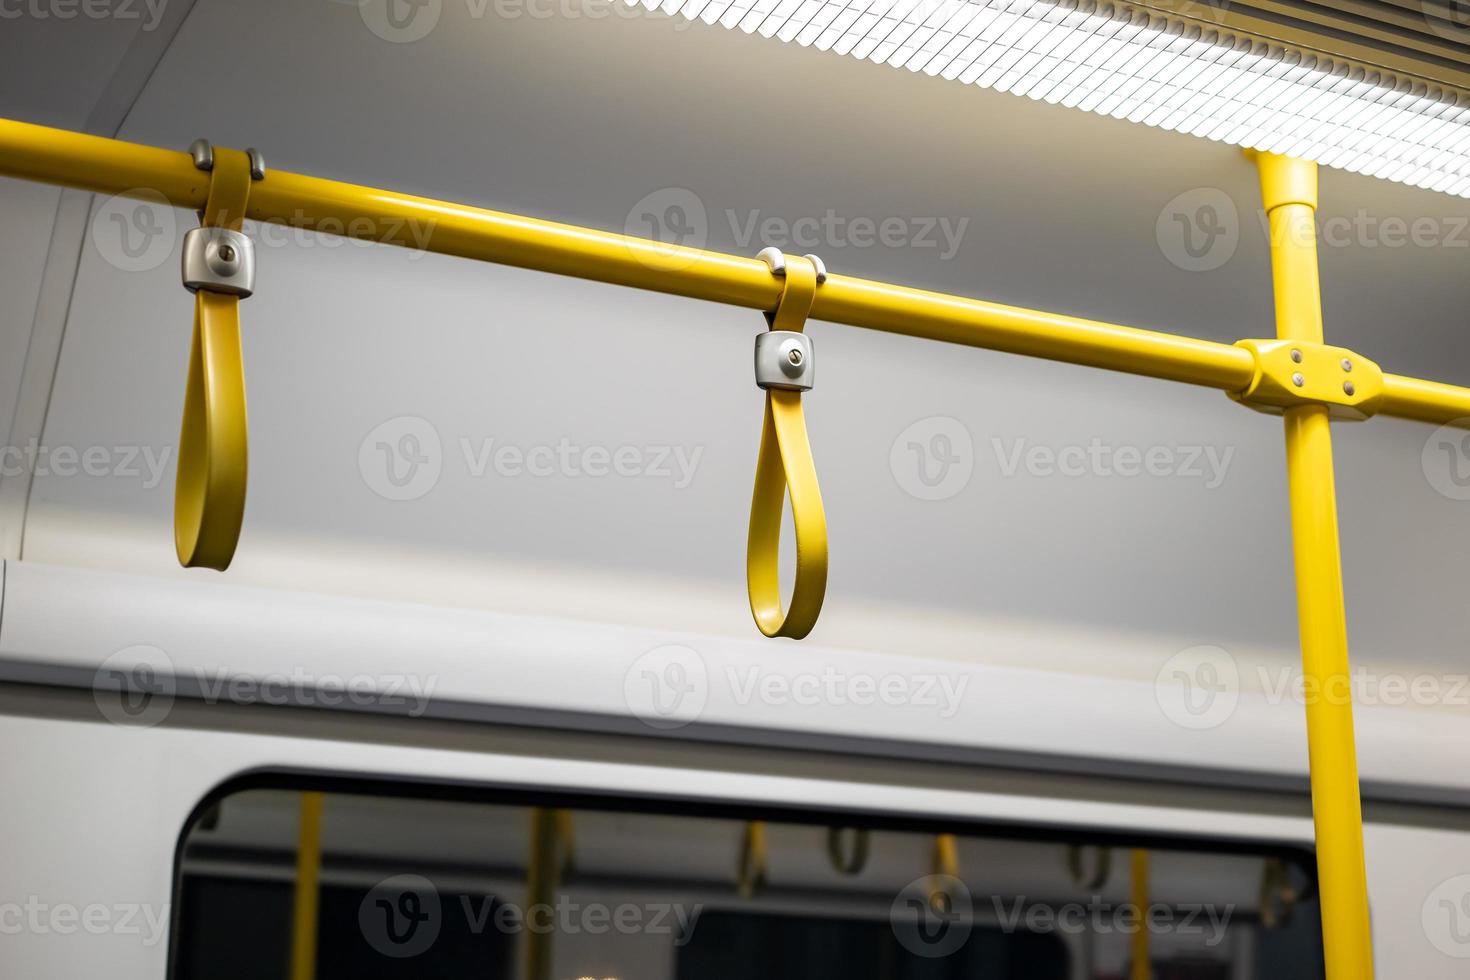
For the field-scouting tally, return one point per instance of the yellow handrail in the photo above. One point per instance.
(119, 168)
(109, 166)
(1289, 192)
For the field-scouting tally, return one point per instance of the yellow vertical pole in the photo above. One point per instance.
(1142, 947)
(542, 874)
(1289, 191)
(308, 874)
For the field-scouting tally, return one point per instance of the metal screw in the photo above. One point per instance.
(1347, 386)
(1296, 355)
(227, 253)
(1298, 380)
(794, 356)
(1347, 365)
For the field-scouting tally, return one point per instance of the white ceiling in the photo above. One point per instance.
(578, 119)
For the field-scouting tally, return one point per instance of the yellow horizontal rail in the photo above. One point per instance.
(108, 166)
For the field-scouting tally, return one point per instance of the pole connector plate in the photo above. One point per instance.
(1295, 372)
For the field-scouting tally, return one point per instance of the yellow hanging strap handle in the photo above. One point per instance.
(1100, 872)
(219, 268)
(1279, 894)
(846, 862)
(750, 873)
(944, 867)
(784, 368)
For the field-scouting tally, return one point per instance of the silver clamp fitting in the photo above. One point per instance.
(775, 260)
(219, 260)
(203, 153)
(783, 360)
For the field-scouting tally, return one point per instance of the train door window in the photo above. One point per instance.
(358, 884)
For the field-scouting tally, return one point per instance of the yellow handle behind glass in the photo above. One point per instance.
(785, 467)
(209, 496)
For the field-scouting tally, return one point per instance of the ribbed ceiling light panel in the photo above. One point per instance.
(1119, 61)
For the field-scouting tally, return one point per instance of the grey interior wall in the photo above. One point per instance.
(28, 211)
(600, 119)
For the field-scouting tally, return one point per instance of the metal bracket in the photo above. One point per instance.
(775, 260)
(783, 360)
(219, 260)
(203, 153)
(1293, 372)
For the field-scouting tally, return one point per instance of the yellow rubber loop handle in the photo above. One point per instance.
(209, 496)
(750, 875)
(785, 467)
(944, 863)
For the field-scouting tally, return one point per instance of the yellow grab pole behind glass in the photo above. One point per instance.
(1142, 945)
(552, 851)
(308, 889)
(1289, 192)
